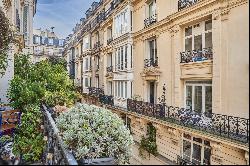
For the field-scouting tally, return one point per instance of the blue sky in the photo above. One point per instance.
(61, 14)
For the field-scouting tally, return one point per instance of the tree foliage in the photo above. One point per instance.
(33, 84)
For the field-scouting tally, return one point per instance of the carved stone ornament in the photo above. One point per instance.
(150, 71)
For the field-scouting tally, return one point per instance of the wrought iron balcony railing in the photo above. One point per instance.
(182, 4)
(107, 100)
(97, 45)
(109, 40)
(148, 21)
(110, 69)
(151, 62)
(234, 128)
(196, 55)
(93, 91)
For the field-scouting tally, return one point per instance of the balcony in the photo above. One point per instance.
(93, 91)
(196, 55)
(152, 62)
(224, 126)
(149, 21)
(182, 4)
(109, 40)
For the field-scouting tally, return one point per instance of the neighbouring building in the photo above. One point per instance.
(20, 14)
(181, 66)
(46, 44)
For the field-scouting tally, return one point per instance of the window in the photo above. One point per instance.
(121, 58)
(121, 23)
(152, 8)
(198, 36)
(37, 40)
(152, 49)
(50, 41)
(61, 43)
(121, 89)
(196, 150)
(199, 96)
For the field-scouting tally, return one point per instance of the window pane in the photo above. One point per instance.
(207, 143)
(188, 31)
(208, 40)
(207, 155)
(196, 154)
(188, 44)
(186, 150)
(198, 98)
(189, 97)
(208, 99)
(198, 42)
(208, 25)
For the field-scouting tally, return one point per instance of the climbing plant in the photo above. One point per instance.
(148, 143)
(5, 39)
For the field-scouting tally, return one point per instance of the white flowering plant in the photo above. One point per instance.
(93, 132)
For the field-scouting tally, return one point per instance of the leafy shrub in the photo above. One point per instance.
(94, 132)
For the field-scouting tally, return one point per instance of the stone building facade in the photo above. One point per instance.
(46, 44)
(179, 65)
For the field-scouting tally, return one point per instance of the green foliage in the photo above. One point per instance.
(32, 85)
(5, 39)
(149, 143)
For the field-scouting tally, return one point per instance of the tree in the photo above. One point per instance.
(32, 85)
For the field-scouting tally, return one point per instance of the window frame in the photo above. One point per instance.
(196, 84)
(196, 31)
(203, 146)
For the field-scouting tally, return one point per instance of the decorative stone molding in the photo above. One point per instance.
(151, 73)
(216, 152)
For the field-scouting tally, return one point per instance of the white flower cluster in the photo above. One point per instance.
(94, 132)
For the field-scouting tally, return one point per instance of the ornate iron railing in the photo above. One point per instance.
(182, 4)
(93, 91)
(151, 62)
(55, 153)
(148, 21)
(109, 41)
(182, 161)
(235, 128)
(110, 69)
(197, 55)
(107, 100)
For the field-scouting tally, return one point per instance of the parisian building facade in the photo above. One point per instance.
(20, 14)
(46, 44)
(180, 65)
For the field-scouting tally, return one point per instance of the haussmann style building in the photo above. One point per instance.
(177, 68)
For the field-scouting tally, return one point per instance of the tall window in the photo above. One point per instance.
(121, 58)
(121, 89)
(50, 41)
(151, 8)
(152, 48)
(199, 96)
(198, 36)
(196, 150)
(121, 23)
